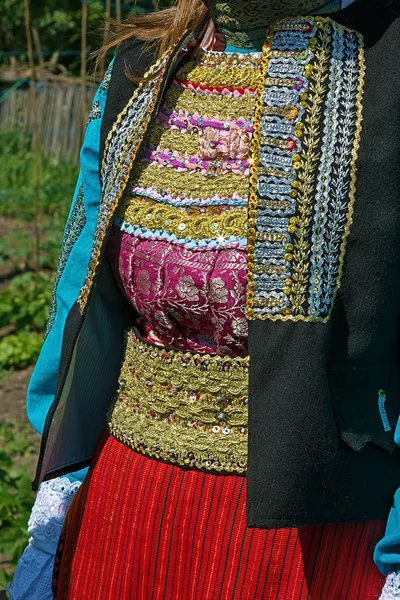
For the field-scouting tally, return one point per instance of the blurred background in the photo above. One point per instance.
(45, 95)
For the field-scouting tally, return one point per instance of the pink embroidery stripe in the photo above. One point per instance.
(193, 122)
(167, 158)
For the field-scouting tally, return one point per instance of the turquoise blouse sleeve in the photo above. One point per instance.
(387, 551)
(72, 264)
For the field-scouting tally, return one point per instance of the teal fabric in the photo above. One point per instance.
(387, 550)
(42, 385)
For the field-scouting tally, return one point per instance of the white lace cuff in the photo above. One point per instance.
(391, 590)
(32, 579)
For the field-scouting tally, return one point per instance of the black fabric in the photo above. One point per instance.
(90, 375)
(318, 452)
(72, 327)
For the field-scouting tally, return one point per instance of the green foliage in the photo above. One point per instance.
(25, 302)
(17, 182)
(58, 24)
(16, 498)
(20, 350)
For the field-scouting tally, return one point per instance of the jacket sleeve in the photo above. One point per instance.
(72, 264)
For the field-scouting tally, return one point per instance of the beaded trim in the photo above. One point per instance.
(168, 198)
(107, 78)
(95, 112)
(187, 409)
(121, 147)
(302, 182)
(219, 241)
(73, 229)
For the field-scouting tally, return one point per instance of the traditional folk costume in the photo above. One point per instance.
(233, 244)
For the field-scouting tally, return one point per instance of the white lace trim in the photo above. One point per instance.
(32, 579)
(48, 513)
(391, 590)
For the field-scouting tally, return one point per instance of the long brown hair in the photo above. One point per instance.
(161, 29)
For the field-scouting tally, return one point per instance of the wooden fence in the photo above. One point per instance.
(59, 117)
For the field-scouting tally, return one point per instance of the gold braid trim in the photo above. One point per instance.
(226, 107)
(255, 157)
(194, 185)
(182, 407)
(306, 175)
(245, 77)
(183, 143)
(153, 215)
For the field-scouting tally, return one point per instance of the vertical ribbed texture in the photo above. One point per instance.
(140, 529)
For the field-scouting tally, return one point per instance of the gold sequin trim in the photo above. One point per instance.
(253, 193)
(230, 59)
(187, 409)
(153, 215)
(226, 107)
(183, 143)
(245, 77)
(194, 185)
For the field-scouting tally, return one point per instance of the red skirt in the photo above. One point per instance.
(140, 529)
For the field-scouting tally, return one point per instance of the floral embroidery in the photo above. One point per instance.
(142, 282)
(188, 294)
(95, 112)
(186, 289)
(218, 292)
(240, 327)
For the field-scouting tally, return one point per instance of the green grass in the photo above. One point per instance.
(24, 303)
(17, 183)
(16, 497)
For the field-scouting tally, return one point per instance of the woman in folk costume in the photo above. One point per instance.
(223, 342)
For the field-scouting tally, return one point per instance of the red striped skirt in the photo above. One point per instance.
(140, 529)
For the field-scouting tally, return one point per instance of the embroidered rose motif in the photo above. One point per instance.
(186, 288)
(142, 282)
(240, 326)
(163, 319)
(205, 339)
(216, 143)
(218, 292)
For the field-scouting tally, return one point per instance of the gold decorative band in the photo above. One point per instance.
(184, 408)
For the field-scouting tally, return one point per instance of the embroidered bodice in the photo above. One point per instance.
(233, 211)
(179, 242)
